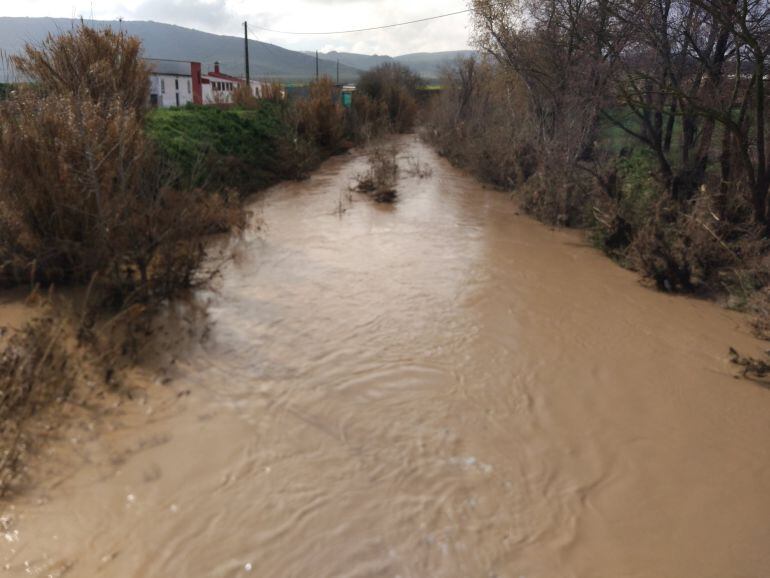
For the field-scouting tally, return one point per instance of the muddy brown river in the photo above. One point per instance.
(440, 388)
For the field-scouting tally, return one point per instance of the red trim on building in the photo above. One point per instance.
(225, 77)
(218, 74)
(195, 70)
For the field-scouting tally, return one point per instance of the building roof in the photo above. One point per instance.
(170, 67)
(220, 76)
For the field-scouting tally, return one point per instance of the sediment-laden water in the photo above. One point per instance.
(439, 388)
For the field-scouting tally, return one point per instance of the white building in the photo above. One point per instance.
(174, 83)
(218, 88)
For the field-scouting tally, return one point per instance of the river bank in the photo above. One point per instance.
(441, 387)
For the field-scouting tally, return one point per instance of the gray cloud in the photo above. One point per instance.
(226, 16)
(313, 15)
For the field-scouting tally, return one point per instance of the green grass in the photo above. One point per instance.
(207, 146)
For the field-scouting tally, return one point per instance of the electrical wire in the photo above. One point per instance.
(332, 32)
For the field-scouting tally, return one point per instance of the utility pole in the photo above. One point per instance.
(246, 48)
(338, 71)
(316, 65)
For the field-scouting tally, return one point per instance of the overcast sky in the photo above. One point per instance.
(227, 16)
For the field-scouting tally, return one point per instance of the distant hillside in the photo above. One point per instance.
(177, 43)
(427, 64)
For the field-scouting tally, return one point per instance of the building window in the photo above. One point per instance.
(176, 83)
(189, 87)
(163, 86)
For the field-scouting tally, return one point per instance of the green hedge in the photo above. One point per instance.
(212, 147)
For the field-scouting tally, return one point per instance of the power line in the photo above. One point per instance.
(331, 32)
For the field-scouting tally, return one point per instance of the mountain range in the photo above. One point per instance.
(168, 41)
(426, 64)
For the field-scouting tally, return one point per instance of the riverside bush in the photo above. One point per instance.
(392, 89)
(82, 194)
(36, 370)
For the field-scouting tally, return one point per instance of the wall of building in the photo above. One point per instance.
(171, 90)
(218, 90)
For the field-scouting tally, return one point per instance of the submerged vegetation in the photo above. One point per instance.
(379, 180)
(36, 370)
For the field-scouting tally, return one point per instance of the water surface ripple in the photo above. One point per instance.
(443, 389)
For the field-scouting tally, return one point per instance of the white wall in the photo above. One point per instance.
(223, 94)
(217, 90)
(256, 88)
(167, 87)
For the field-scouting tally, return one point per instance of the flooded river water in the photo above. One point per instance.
(441, 388)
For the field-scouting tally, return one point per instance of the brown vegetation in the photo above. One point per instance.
(380, 179)
(321, 118)
(85, 200)
(272, 91)
(244, 98)
(642, 120)
(645, 121)
(82, 194)
(386, 99)
(478, 122)
(101, 66)
(35, 371)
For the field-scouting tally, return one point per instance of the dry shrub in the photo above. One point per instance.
(559, 188)
(368, 118)
(272, 91)
(759, 306)
(320, 118)
(479, 121)
(417, 169)
(81, 191)
(35, 371)
(402, 109)
(557, 196)
(686, 247)
(102, 66)
(244, 98)
(753, 369)
(380, 179)
(488, 120)
(393, 87)
(82, 194)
